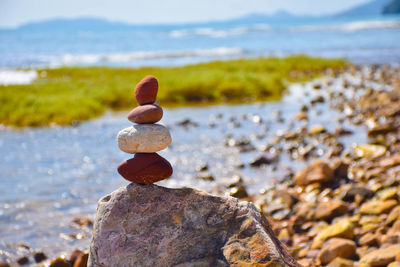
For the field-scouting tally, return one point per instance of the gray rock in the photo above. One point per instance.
(149, 225)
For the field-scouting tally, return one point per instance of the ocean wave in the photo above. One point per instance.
(74, 59)
(350, 27)
(9, 77)
(343, 27)
(219, 33)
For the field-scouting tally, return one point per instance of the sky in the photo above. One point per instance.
(17, 12)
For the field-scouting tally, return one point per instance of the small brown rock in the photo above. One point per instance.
(23, 260)
(369, 239)
(392, 161)
(381, 129)
(328, 210)
(340, 169)
(395, 228)
(206, 176)
(317, 129)
(313, 253)
(305, 262)
(301, 116)
(81, 260)
(83, 221)
(354, 191)
(340, 262)
(150, 113)
(59, 262)
(377, 207)
(39, 256)
(238, 192)
(265, 159)
(343, 228)
(146, 90)
(393, 215)
(74, 255)
(337, 247)
(387, 193)
(4, 264)
(318, 172)
(394, 264)
(381, 257)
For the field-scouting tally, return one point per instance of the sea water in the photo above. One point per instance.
(361, 39)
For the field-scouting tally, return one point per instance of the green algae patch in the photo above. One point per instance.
(71, 94)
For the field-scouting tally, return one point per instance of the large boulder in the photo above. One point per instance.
(149, 225)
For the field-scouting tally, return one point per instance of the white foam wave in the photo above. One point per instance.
(9, 77)
(350, 27)
(219, 33)
(344, 27)
(70, 59)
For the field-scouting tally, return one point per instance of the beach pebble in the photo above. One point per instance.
(145, 168)
(82, 260)
(146, 114)
(144, 138)
(331, 209)
(317, 172)
(23, 260)
(382, 256)
(337, 247)
(146, 90)
(83, 221)
(75, 255)
(60, 262)
(39, 256)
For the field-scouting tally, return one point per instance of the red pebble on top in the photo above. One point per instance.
(146, 90)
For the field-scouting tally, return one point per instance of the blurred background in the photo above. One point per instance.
(44, 33)
(65, 62)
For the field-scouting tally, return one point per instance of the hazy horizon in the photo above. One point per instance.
(18, 12)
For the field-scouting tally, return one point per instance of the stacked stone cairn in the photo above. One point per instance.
(145, 138)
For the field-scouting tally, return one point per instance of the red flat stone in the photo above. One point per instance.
(150, 113)
(146, 90)
(145, 168)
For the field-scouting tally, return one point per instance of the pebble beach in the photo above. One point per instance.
(341, 130)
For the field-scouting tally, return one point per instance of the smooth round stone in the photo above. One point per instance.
(146, 90)
(150, 113)
(144, 138)
(145, 168)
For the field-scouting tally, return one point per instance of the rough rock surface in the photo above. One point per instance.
(144, 138)
(149, 225)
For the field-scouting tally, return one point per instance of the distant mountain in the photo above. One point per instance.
(281, 15)
(373, 8)
(74, 24)
(392, 8)
(90, 24)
